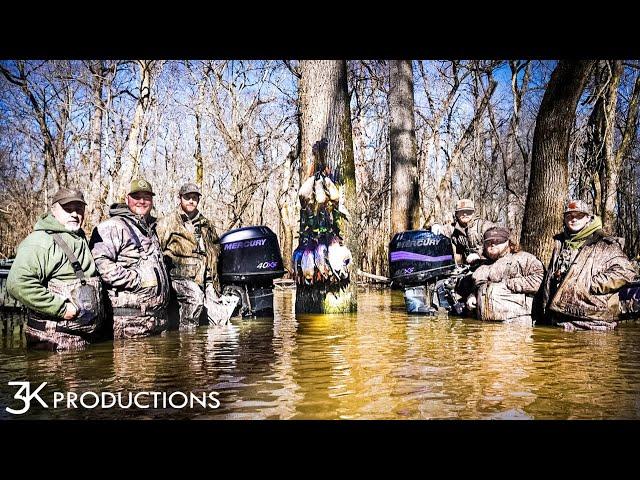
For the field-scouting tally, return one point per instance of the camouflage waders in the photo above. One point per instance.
(137, 325)
(128, 256)
(50, 333)
(190, 299)
(142, 313)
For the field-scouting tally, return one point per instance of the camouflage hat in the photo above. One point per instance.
(465, 204)
(140, 185)
(66, 195)
(189, 188)
(578, 206)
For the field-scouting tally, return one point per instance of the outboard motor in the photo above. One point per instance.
(421, 263)
(249, 261)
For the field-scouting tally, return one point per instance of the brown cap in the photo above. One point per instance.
(497, 234)
(578, 206)
(140, 185)
(465, 204)
(66, 195)
(189, 188)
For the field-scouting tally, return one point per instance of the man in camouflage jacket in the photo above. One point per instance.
(506, 284)
(189, 243)
(586, 271)
(129, 259)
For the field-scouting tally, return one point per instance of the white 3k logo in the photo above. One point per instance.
(26, 397)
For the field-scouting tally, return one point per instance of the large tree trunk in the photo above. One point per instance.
(405, 213)
(548, 185)
(324, 106)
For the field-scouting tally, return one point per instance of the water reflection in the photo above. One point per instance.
(586, 375)
(378, 363)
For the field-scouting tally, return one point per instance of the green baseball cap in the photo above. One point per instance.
(140, 185)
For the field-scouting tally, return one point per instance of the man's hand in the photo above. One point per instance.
(70, 311)
(473, 258)
(471, 302)
(437, 229)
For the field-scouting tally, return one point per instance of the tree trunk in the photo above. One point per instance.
(548, 186)
(130, 164)
(599, 155)
(198, 153)
(613, 162)
(402, 137)
(324, 105)
(97, 70)
(628, 209)
(286, 200)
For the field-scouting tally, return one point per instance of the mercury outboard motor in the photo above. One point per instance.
(249, 262)
(422, 263)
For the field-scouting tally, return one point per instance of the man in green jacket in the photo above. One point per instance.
(52, 285)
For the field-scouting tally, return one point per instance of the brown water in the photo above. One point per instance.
(377, 364)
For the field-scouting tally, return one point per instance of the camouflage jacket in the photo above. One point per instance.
(589, 289)
(135, 275)
(184, 255)
(505, 288)
(469, 240)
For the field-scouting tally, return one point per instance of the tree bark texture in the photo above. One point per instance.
(548, 186)
(405, 212)
(325, 114)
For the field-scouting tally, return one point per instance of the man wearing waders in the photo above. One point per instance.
(55, 277)
(466, 233)
(129, 259)
(586, 271)
(190, 245)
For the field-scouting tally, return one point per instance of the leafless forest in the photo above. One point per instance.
(507, 134)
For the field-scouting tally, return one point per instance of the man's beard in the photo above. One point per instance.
(139, 211)
(73, 227)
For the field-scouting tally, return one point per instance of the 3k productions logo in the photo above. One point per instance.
(24, 395)
(107, 400)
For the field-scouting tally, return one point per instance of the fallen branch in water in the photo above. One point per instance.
(375, 277)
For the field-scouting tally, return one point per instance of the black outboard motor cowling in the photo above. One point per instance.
(249, 261)
(418, 259)
(416, 256)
